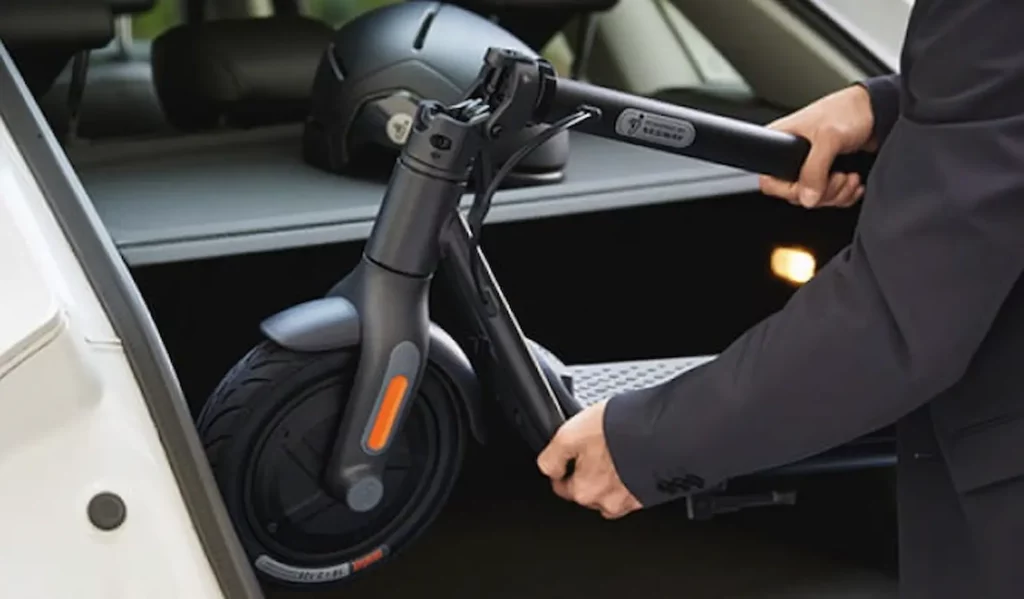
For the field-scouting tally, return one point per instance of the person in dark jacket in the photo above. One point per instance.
(919, 322)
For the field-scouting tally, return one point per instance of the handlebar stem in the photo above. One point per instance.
(522, 90)
(426, 185)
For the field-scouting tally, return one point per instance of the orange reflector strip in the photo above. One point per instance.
(384, 423)
(368, 559)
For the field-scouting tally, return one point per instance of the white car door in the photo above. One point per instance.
(106, 492)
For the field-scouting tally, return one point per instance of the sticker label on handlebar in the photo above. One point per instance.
(655, 128)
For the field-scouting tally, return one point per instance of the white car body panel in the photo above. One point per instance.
(73, 423)
(879, 25)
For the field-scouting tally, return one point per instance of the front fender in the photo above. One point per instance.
(332, 323)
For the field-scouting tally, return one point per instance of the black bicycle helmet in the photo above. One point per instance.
(382, 63)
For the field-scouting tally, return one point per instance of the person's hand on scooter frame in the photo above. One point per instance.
(594, 483)
(840, 123)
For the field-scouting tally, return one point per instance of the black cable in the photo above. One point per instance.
(487, 186)
(482, 201)
(484, 177)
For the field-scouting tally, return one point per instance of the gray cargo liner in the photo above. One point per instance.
(209, 195)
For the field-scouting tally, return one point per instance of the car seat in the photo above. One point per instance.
(238, 73)
(118, 100)
(45, 35)
(535, 21)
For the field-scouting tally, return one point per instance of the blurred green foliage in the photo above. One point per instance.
(151, 24)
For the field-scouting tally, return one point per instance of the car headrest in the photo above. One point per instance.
(535, 21)
(42, 35)
(80, 23)
(238, 72)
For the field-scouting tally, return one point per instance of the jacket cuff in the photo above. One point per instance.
(884, 92)
(644, 466)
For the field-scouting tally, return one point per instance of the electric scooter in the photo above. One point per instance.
(337, 440)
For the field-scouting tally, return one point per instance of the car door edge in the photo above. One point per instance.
(113, 285)
(871, 57)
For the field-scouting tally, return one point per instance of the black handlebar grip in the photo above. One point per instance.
(769, 152)
(857, 162)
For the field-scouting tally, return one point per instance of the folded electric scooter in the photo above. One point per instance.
(338, 439)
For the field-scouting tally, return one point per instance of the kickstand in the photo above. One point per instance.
(705, 507)
(76, 90)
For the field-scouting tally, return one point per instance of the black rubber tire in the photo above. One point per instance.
(253, 405)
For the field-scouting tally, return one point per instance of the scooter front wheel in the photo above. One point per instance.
(268, 429)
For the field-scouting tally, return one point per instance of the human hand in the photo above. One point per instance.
(839, 123)
(594, 483)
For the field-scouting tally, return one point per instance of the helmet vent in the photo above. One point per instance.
(421, 35)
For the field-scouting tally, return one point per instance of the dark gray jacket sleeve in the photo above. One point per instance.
(884, 92)
(896, 317)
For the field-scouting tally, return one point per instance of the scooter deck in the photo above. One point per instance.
(592, 383)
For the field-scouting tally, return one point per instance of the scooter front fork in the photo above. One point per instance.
(389, 290)
(392, 358)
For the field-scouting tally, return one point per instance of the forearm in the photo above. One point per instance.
(891, 322)
(830, 367)
(899, 315)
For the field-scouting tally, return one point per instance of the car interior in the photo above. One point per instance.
(188, 145)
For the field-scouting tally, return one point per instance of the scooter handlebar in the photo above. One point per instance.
(688, 132)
